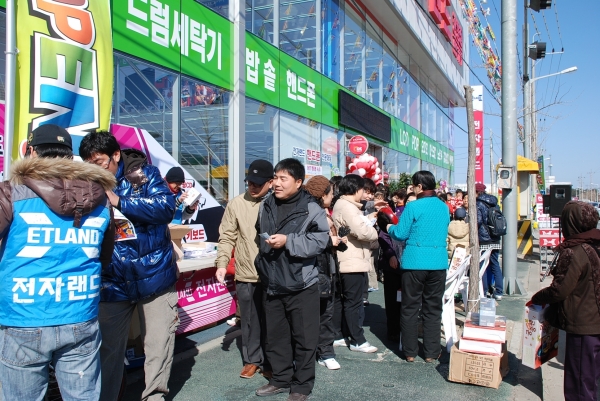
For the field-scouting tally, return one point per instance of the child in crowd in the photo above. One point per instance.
(458, 231)
(399, 199)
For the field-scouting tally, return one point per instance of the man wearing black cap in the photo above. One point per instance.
(49, 141)
(238, 231)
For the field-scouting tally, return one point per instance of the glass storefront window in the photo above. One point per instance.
(332, 160)
(333, 17)
(300, 138)
(390, 84)
(261, 127)
(414, 96)
(219, 6)
(374, 65)
(354, 52)
(259, 18)
(298, 30)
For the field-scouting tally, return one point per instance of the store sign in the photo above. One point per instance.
(448, 23)
(358, 145)
(65, 69)
(199, 46)
(181, 35)
(312, 170)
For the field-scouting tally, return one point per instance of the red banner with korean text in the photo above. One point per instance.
(478, 117)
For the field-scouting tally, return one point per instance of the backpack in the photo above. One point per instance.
(496, 223)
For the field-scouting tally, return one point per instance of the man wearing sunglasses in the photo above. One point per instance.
(143, 271)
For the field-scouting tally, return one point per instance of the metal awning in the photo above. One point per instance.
(527, 165)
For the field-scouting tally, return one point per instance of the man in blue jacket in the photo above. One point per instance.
(493, 273)
(143, 271)
(56, 232)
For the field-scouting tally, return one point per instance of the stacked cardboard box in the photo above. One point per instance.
(481, 356)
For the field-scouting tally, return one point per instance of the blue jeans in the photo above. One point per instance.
(72, 349)
(493, 275)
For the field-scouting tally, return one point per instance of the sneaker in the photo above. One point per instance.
(371, 289)
(498, 297)
(366, 348)
(340, 343)
(330, 363)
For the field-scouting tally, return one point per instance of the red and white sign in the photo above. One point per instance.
(549, 237)
(313, 155)
(358, 145)
(478, 117)
(197, 234)
(202, 300)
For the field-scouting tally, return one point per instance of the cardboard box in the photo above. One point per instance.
(481, 370)
(178, 231)
(474, 331)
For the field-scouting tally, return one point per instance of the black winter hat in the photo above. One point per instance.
(50, 134)
(175, 174)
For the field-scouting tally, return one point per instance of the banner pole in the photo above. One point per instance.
(10, 83)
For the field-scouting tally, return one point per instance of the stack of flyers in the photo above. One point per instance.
(124, 229)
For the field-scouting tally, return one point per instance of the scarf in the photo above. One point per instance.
(427, 194)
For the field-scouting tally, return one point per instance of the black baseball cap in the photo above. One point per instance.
(260, 171)
(50, 134)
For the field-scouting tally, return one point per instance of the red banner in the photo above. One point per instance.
(478, 117)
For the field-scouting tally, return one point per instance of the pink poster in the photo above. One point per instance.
(2, 141)
(203, 300)
(478, 117)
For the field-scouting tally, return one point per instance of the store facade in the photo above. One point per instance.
(179, 74)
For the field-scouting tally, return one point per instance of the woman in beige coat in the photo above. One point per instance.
(355, 261)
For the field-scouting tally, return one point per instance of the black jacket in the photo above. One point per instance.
(291, 268)
(484, 202)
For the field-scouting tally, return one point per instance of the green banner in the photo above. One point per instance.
(178, 34)
(187, 37)
(3, 3)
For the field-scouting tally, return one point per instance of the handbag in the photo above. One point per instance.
(324, 286)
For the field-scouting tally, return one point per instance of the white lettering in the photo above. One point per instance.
(32, 234)
(71, 237)
(84, 237)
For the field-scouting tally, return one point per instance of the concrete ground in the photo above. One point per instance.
(207, 365)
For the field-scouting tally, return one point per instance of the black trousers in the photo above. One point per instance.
(250, 301)
(340, 328)
(327, 332)
(391, 285)
(292, 336)
(422, 289)
(582, 367)
(352, 304)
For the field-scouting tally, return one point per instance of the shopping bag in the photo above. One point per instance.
(540, 339)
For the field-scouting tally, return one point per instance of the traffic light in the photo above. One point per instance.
(538, 5)
(537, 50)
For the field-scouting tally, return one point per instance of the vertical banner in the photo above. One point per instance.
(541, 177)
(64, 67)
(478, 117)
(2, 149)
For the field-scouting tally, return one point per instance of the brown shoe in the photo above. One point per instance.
(269, 389)
(432, 360)
(248, 371)
(410, 359)
(298, 397)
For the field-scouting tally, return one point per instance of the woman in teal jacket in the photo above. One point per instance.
(424, 227)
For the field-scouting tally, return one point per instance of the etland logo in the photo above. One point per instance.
(64, 76)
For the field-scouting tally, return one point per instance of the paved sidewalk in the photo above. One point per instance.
(210, 371)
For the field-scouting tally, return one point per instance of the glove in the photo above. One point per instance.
(386, 216)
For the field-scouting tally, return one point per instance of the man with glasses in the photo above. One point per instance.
(143, 271)
(238, 230)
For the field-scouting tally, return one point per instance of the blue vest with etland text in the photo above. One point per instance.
(49, 269)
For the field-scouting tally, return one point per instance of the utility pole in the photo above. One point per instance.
(492, 176)
(591, 173)
(526, 89)
(509, 143)
(473, 301)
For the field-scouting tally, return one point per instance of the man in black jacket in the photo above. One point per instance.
(293, 230)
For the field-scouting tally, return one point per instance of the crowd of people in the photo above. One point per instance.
(298, 247)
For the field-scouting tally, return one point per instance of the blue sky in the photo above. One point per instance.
(569, 130)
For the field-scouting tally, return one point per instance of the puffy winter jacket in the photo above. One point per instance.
(291, 268)
(362, 237)
(56, 231)
(144, 266)
(484, 202)
(458, 234)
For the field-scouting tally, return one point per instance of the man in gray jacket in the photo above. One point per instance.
(294, 231)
